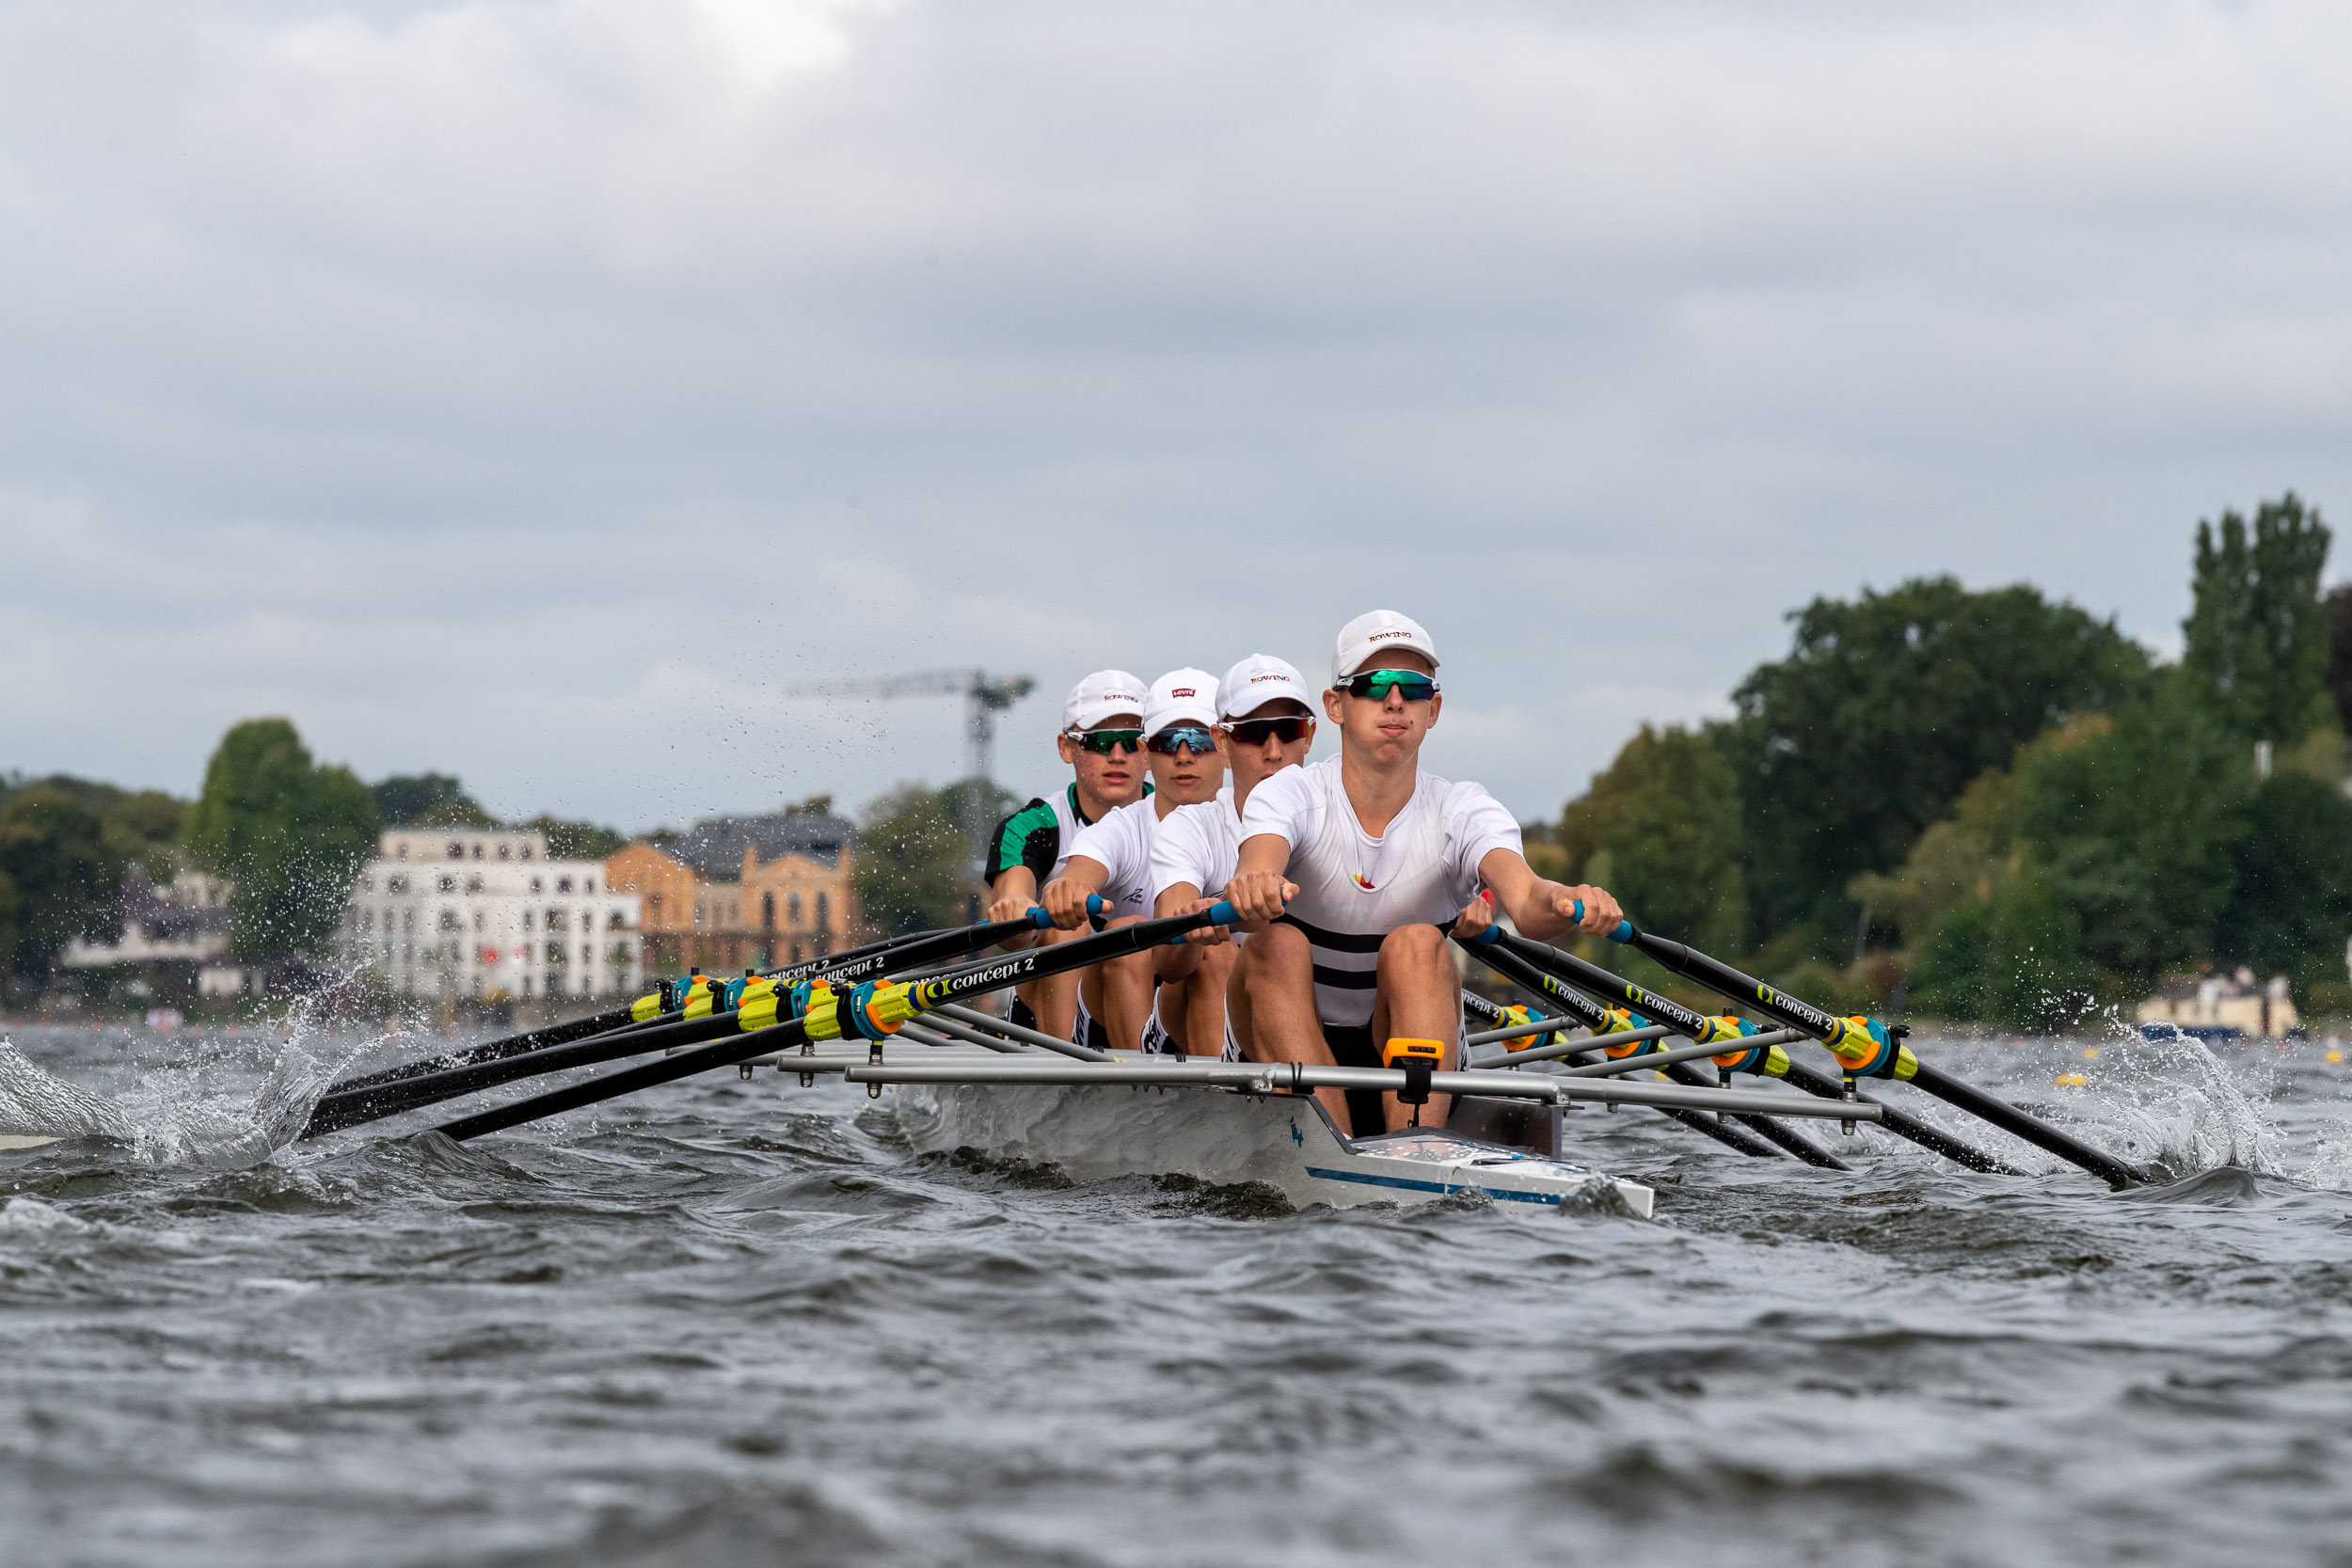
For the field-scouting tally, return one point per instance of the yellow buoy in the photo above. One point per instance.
(2335, 1055)
(2090, 1053)
(2071, 1081)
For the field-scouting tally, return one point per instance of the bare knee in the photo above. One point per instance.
(1218, 963)
(1413, 946)
(1277, 948)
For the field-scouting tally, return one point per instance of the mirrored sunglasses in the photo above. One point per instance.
(1411, 684)
(1191, 736)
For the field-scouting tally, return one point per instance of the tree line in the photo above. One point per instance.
(1984, 804)
(288, 832)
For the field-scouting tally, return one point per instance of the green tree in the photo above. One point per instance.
(428, 800)
(1666, 815)
(2014, 957)
(568, 839)
(2291, 910)
(2258, 634)
(1883, 712)
(290, 835)
(59, 877)
(2138, 828)
(915, 859)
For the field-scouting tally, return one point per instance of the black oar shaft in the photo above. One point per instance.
(2020, 1124)
(513, 1045)
(929, 994)
(645, 1075)
(1535, 965)
(1902, 1123)
(844, 967)
(1521, 973)
(1718, 975)
(345, 1110)
(1925, 1134)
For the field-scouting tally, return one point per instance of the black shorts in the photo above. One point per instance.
(1352, 1047)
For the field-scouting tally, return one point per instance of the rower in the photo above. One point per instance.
(1102, 740)
(1263, 725)
(1378, 862)
(1113, 858)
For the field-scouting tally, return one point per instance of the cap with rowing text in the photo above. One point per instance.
(1105, 694)
(1364, 639)
(1181, 697)
(1258, 680)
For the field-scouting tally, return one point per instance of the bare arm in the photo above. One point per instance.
(1544, 910)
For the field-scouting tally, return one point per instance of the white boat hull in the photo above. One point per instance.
(1214, 1135)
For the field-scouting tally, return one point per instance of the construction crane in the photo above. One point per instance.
(985, 697)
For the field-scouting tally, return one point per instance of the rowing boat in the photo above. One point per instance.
(1229, 1138)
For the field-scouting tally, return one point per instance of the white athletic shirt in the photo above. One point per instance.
(1198, 844)
(1122, 843)
(1355, 889)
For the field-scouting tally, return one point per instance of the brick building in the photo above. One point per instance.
(743, 891)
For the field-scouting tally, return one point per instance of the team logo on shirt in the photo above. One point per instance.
(1358, 878)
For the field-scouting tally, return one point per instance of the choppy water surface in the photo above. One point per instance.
(741, 1321)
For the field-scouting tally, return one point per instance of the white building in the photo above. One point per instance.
(455, 912)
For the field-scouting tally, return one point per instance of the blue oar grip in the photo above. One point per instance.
(1038, 918)
(1625, 927)
(1491, 935)
(1219, 913)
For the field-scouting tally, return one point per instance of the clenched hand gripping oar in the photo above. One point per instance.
(676, 1016)
(773, 1019)
(1518, 968)
(855, 964)
(1744, 1053)
(1869, 1049)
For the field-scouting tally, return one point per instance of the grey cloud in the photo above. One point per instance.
(538, 390)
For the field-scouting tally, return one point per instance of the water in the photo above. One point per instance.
(743, 1323)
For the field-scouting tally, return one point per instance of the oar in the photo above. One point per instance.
(1513, 966)
(1867, 1049)
(1566, 969)
(1596, 1019)
(355, 1101)
(871, 1012)
(1281, 1078)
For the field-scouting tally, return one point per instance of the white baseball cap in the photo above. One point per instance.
(1181, 697)
(1258, 680)
(1373, 633)
(1105, 694)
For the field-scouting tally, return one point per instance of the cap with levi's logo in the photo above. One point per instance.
(1181, 697)
(1258, 680)
(1373, 633)
(1105, 694)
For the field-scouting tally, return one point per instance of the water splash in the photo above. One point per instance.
(36, 1102)
(2183, 1109)
(213, 1112)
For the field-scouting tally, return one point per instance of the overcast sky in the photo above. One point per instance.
(536, 391)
